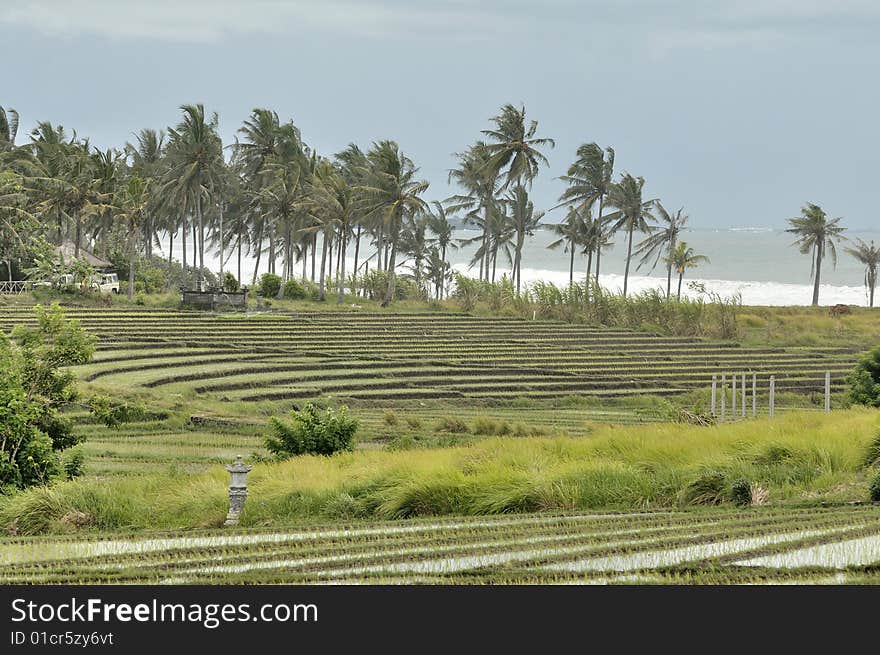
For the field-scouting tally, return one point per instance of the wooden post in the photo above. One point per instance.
(772, 394)
(714, 390)
(723, 394)
(827, 392)
(733, 396)
(743, 409)
(754, 395)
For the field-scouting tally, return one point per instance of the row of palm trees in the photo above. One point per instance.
(275, 199)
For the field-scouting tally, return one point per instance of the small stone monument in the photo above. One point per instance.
(237, 489)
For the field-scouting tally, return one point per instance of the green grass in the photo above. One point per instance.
(796, 458)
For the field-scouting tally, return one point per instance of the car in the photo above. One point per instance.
(105, 283)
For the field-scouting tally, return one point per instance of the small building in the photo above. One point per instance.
(66, 252)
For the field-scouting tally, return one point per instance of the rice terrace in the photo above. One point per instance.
(476, 460)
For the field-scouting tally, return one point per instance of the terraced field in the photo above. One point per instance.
(760, 545)
(232, 371)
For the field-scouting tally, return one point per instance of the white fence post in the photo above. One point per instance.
(733, 396)
(754, 395)
(827, 392)
(714, 390)
(723, 394)
(772, 395)
(743, 408)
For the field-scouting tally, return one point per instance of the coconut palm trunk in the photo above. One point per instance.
(323, 265)
(341, 297)
(669, 272)
(357, 250)
(389, 292)
(629, 248)
(818, 274)
(201, 237)
(131, 256)
(518, 260)
(680, 276)
(443, 278)
(571, 263)
(258, 244)
(183, 245)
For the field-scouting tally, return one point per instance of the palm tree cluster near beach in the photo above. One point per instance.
(297, 213)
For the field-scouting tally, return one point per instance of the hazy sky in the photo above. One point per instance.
(739, 111)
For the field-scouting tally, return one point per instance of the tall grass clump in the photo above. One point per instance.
(795, 457)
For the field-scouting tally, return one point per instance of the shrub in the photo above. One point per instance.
(466, 292)
(389, 417)
(487, 426)
(872, 456)
(874, 489)
(35, 388)
(414, 422)
(453, 425)
(230, 284)
(293, 290)
(313, 432)
(74, 463)
(741, 493)
(707, 489)
(270, 284)
(864, 381)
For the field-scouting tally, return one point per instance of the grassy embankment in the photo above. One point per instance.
(800, 458)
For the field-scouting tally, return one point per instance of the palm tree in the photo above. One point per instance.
(589, 180)
(633, 213)
(439, 225)
(570, 232)
(335, 207)
(196, 157)
(132, 203)
(280, 201)
(664, 238)
(147, 161)
(353, 165)
(869, 256)
(682, 258)
(524, 221)
(514, 152)
(815, 233)
(480, 187)
(391, 194)
(8, 128)
(414, 242)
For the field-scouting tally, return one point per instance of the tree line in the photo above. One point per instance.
(271, 197)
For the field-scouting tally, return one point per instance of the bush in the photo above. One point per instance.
(313, 432)
(707, 489)
(230, 284)
(453, 425)
(270, 285)
(874, 489)
(389, 417)
(33, 433)
(872, 456)
(293, 290)
(741, 493)
(74, 463)
(864, 381)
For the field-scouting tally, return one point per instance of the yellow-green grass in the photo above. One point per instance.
(799, 457)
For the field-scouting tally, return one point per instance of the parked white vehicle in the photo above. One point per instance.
(105, 283)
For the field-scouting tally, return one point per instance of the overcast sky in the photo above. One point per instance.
(738, 111)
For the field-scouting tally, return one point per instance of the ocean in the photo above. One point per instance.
(758, 263)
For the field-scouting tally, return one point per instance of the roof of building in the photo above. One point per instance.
(67, 251)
